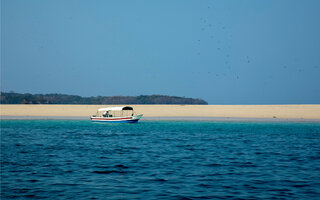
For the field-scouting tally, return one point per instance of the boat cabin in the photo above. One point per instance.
(115, 112)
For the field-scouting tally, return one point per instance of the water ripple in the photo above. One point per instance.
(65, 159)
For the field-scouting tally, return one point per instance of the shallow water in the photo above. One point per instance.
(77, 159)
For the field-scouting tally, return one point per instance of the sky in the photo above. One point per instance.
(225, 52)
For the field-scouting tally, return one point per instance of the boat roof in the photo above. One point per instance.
(115, 108)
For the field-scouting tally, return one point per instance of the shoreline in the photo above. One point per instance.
(213, 119)
(169, 112)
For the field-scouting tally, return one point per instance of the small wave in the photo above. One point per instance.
(29, 196)
(159, 180)
(213, 165)
(300, 185)
(183, 198)
(33, 180)
(204, 185)
(109, 172)
(121, 166)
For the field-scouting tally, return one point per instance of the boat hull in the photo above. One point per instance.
(130, 119)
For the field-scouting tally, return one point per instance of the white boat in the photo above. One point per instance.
(116, 114)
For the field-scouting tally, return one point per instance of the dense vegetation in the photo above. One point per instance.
(17, 98)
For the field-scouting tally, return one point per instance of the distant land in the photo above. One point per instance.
(26, 98)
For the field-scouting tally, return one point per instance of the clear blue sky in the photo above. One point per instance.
(225, 52)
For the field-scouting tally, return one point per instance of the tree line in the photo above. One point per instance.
(27, 98)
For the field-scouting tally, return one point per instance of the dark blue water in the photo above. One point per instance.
(66, 159)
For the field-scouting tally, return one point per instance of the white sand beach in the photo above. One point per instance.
(172, 111)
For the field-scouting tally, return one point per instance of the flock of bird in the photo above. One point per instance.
(209, 29)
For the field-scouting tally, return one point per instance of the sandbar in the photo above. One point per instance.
(168, 112)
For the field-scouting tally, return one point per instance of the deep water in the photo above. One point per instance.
(77, 159)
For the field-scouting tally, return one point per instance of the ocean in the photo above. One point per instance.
(78, 159)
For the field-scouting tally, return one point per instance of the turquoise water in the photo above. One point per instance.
(77, 159)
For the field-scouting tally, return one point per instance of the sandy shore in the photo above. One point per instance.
(171, 111)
